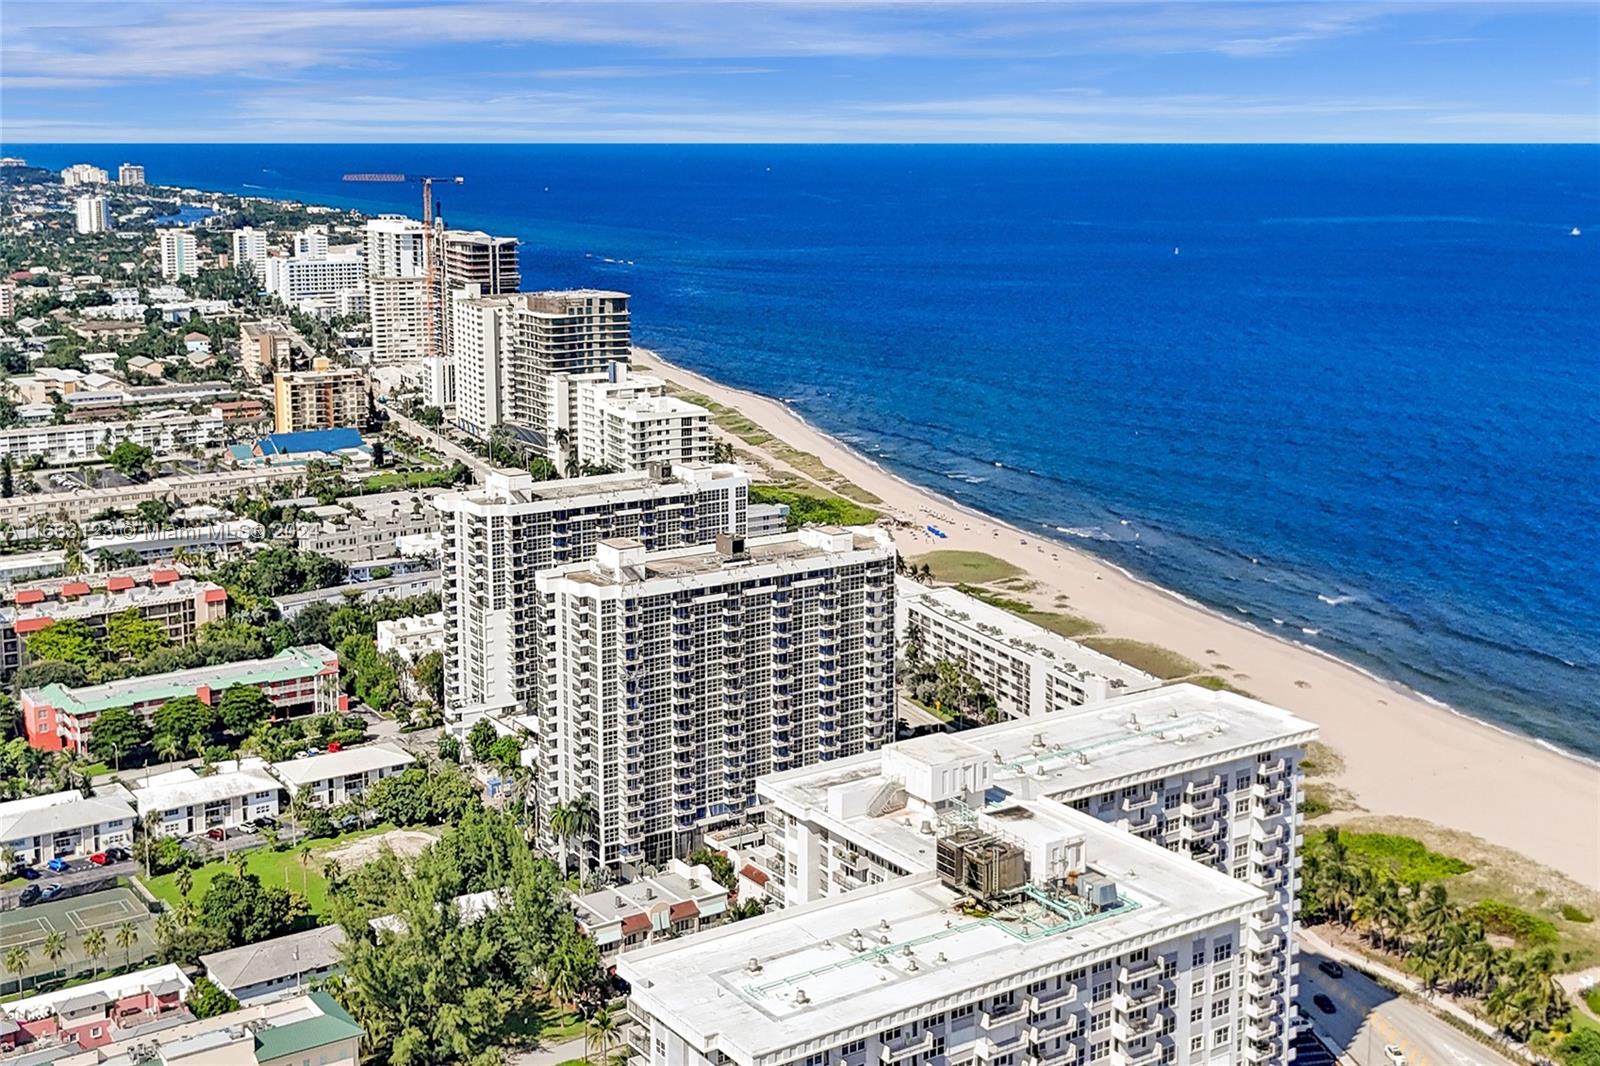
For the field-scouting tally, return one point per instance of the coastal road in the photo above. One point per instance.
(1367, 1017)
(446, 447)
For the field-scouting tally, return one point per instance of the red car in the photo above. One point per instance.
(218, 833)
(100, 858)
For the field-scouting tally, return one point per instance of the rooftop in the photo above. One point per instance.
(184, 788)
(63, 811)
(287, 665)
(865, 959)
(358, 760)
(310, 440)
(283, 956)
(625, 562)
(107, 990)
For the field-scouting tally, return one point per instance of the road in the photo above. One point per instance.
(445, 447)
(1367, 1017)
(83, 873)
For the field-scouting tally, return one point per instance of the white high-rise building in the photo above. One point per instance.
(1210, 777)
(621, 421)
(84, 174)
(250, 250)
(499, 535)
(482, 330)
(312, 242)
(179, 254)
(90, 212)
(686, 674)
(393, 247)
(399, 310)
(130, 174)
(1043, 938)
(296, 278)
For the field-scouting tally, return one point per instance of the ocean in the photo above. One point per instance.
(1348, 394)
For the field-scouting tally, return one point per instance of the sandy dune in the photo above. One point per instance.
(1403, 755)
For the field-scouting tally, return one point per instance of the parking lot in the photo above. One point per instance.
(74, 917)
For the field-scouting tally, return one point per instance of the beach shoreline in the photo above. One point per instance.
(1478, 777)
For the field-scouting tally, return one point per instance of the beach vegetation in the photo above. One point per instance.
(1218, 684)
(814, 508)
(1060, 623)
(1153, 659)
(967, 567)
(1321, 760)
(1502, 919)
(1575, 914)
(1369, 884)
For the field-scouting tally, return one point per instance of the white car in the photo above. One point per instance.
(1393, 1053)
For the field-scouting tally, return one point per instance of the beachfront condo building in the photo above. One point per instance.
(296, 278)
(1025, 667)
(392, 245)
(617, 420)
(324, 397)
(472, 257)
(84, 174)
(180, 604)
(511, 352)
(89, 214)
(130, 174)
(398, 307)
(1210, 778)
(250, 250)
(179, 254)
(671, 680)
(497, 536)
(264, 349)
(297, 681)
(1032, 934)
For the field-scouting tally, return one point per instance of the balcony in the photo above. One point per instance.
(1141, 1056)
(999, 1017)
(1138, 803)
(905, 1047)
(1139, 971)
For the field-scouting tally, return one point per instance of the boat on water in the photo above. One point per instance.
(1576, 232)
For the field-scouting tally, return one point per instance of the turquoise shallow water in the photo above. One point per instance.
(1348, 394)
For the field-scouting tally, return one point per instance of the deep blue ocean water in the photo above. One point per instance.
(1348, 394)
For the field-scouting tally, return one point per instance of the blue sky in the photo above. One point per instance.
(482, 70)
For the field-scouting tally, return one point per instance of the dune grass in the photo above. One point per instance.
(962, 567)
(813, 506)
(1060, 623)
(1151, 658)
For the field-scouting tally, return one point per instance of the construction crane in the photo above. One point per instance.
(430, 253)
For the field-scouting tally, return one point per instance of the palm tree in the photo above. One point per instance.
(166, 930)
(127, 937)
(166, 746)
(17, 962)
(602, 1029)
(305, 869)
(54, 946)
(185, 881)
(94, 947)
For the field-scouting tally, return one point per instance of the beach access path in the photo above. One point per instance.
(1402, 754)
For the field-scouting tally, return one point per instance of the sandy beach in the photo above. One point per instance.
(1402, 754)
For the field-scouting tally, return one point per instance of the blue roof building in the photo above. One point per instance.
(310, 440)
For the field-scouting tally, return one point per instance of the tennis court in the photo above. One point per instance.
(74, 918)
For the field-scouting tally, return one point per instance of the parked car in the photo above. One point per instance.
(1324, 1004)
(118, 854)
(247, 829)
(30, 895)
(1393, 1053)
(51, 891)
(334, 745)
(27, 873)
(1331, 968)
(100, 858)
(218, 833)
(265, 822)
(58, 865)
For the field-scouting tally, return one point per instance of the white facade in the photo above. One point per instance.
(1025, 667)
(339, 776)
(84, 174)
(769, 518)
(90, 214)
(399, 310)
(623, 421)
(130, 174)
(499, 535)
(688, 673)
(481, 334)
(1209, 777)
(413, 637)
(250, 250)
(187, 804)
(311, 243)
(179, 254)
(296, 278)
(66, 824)
(79, 440)
(1130, 957)
(393, 247)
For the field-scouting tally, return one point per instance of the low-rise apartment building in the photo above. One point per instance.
(360, 528)
(1026, 668)
(284, 966)
(94, 1015)
(165, 435)
(297, 681)
(187, 803)
(676, 901)
(161, 594)
(339, 776)
(413, 637)
(67, 825)
(213, 538)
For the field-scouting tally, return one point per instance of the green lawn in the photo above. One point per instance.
(390, 480)
(280, 868)
(957, 567)
(1151, 658)
(814, 506)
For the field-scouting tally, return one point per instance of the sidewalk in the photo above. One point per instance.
(1436, 1003)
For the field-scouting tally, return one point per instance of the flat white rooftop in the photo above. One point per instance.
(859, 962)
(368, 757)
